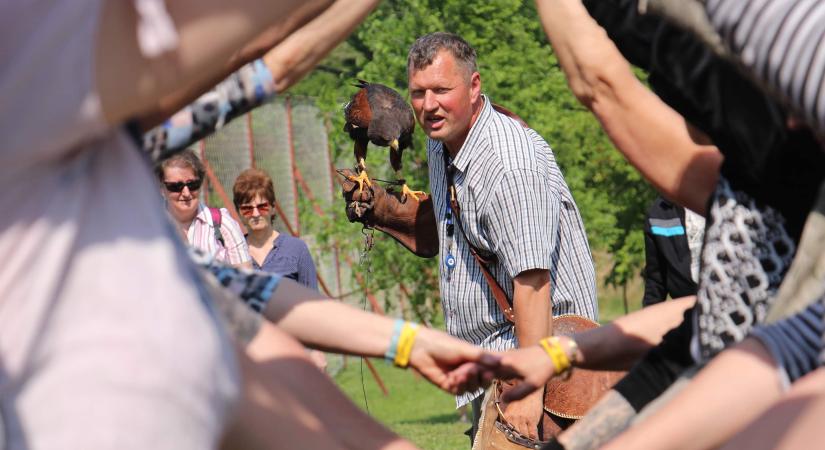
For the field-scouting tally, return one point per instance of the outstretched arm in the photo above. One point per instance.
(288, 403)
(334, 326)
(793, 422)
(763, 364)
(131, 82)
(717, 405)
(675, 157)
(615, 346)
(449, 363)
(286, 64)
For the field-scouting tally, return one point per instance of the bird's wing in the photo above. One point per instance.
(358, 113)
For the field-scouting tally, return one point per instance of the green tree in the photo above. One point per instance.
(519, 71)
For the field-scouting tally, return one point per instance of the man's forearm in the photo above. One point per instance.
(532, 308)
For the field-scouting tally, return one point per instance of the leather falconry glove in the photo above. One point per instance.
(411, 223)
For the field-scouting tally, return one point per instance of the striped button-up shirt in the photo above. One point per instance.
(201, 235)
(514, 204)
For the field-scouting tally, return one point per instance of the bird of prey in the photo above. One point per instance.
(380, 115)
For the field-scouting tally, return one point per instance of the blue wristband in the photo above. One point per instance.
(393, 348)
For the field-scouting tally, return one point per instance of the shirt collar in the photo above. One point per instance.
(203, 211)
(470, 146)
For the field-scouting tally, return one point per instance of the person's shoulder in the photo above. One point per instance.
(295, 244)
(521, 148)
(225, 214)
(503, 125)
(661, 206)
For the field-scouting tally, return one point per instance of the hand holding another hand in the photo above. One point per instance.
(452, 364)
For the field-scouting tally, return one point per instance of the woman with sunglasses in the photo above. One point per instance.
(271, 251)
(181, 177)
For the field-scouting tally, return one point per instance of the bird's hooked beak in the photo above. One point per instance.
(394, 144)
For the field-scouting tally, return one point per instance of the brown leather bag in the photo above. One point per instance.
(565, 399)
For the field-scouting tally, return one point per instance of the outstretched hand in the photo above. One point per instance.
(452, 364)
(531, 365)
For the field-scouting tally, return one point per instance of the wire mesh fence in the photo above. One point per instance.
(287, 139)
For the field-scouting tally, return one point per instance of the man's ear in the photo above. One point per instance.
(475, 86)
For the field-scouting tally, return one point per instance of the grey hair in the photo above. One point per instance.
(424, 50)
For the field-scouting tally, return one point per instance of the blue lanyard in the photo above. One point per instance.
(449, 259)
(450, 226)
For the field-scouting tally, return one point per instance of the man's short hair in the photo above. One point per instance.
(424, 50)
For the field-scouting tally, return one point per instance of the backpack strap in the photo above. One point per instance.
(216, 224)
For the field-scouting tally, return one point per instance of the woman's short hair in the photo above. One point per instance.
(185, 159)
(252, 182)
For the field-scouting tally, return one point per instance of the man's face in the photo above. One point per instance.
(443, 97)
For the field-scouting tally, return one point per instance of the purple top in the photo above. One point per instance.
(290, 258)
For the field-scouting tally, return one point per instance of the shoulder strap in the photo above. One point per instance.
(499, 294)
(216, 224)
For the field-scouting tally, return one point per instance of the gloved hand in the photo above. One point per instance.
(411, 223)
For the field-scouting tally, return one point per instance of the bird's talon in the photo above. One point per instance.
(361, 179)
(406, 191)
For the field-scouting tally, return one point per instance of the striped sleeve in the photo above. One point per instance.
(796, 343)
(249, 87)
(783, 43)
(523, 220)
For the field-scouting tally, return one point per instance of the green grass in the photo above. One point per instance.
(414, 408)
(420, 412)
(417, 410)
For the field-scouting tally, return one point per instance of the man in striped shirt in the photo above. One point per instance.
(514, 205)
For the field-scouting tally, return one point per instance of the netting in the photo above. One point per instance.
(287, 139)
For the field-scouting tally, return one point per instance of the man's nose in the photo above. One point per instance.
(430, 101)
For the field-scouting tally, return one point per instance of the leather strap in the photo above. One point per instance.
(502, 300)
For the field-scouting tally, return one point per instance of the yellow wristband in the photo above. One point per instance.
(405, 344)
(552, 346)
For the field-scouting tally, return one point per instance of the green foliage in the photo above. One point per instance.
(519, 71)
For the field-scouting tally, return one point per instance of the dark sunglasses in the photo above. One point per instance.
(246, 210)
(178, 186)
